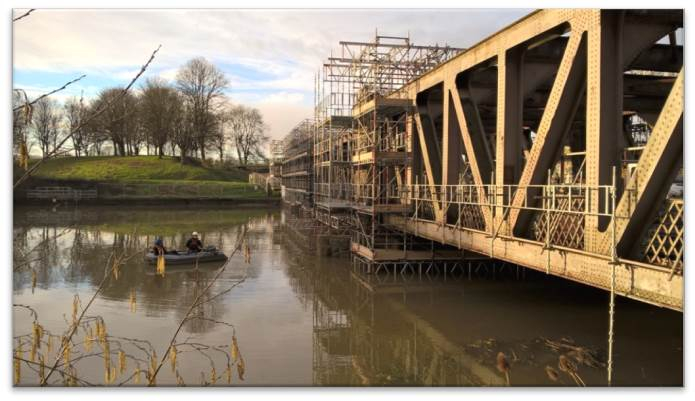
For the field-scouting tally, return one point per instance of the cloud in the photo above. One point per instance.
(270, 56)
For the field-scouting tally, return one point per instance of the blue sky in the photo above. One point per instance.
(269, 56)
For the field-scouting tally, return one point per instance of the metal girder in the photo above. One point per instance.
(660, 161)
(559, 112)
(475, 148)
(426, 149)
(599, 52)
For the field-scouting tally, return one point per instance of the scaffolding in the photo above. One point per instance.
(297, 164)
(381, 144)
(354, 120)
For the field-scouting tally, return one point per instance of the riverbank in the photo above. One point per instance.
(135, 168)
(141, 179)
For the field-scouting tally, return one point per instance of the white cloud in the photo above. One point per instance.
(281, 49)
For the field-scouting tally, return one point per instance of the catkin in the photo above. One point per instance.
(75, 305)
(241, 368)
(137, 374)
(234, 349)
(172, 358)
(42, 369)
(107, 363)
(18, 356)
(101, 331)
(66, 351)
(36, 334)
(23, 154)
(121, 362)
(88, 339)
(152, 369)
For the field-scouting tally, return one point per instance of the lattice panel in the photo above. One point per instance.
(472, 217)
(665, 245)
(566, 229)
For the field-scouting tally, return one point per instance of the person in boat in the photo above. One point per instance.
(194, 244)
(158, 248)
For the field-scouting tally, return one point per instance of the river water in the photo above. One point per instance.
(304, 319)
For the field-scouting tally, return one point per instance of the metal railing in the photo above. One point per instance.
(665, 244)
(541, 198)
(176, 191)
(61, 193)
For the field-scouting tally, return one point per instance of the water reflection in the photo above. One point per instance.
(306, 320)
(436, 329)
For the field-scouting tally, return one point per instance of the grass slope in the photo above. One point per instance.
(148, 177)
(133, 168)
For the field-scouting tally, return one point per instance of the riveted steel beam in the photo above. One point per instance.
(659, 163)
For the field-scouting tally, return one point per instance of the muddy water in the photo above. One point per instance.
(302, 319)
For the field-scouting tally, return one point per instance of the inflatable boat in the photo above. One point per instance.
(210, 254)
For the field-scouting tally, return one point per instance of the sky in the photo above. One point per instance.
(269, 56)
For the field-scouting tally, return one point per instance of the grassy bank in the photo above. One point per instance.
(133, 168)
(148, 177)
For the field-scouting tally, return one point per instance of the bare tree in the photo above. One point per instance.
(247, 132)
(21, 120)
(220, 137)
(91, 118)
(201, 85)
(46, 124)
(96, 136)
(159, 104)
(75, 112)
(182, 132)
(119, 121)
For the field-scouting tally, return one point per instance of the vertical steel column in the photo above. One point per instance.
(604, 110)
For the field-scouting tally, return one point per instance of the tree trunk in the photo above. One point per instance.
(161, 151)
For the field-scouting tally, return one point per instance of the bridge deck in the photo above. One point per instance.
(634, 280)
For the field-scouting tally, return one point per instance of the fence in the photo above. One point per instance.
(61, 193)
(178, 191)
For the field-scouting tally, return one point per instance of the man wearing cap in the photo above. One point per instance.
(194, 244)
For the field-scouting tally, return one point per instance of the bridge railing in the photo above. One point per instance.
(540, 198)
(559, 212)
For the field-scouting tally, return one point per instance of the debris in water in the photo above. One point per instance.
(503, 365)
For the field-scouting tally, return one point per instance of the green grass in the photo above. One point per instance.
(134, 168)
(151, 177)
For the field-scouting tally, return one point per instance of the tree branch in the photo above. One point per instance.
(98, 112)
(48, 94)
(194, 304)
(26, 14)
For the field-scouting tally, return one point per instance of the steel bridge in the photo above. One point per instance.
(575, 200)
(555, 144)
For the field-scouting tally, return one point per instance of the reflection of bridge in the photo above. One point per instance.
(553, 144)
(363, 334)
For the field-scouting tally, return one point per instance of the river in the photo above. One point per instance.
(304, 319)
